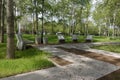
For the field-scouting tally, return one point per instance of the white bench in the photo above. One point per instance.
(89, 38)
(74, 38)
(61, 38)
(21, 44)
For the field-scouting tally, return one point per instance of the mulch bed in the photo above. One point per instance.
(101, 57)
(112, 76)
(60, 61)
(113, 60)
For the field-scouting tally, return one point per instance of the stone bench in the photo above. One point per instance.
(61, 38)
(89, 38)
(74, 38)
(21, 43)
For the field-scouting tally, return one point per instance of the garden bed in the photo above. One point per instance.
(59, 61)
(101, 57)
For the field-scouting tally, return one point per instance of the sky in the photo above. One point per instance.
(93, 5)
(92, 9)
(94, 2)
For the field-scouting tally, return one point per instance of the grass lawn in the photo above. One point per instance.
(112, 48)
(27, 60)
(52, 39)
(105, 39)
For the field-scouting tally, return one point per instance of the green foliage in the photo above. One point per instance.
(29, 37)
(2, 50)
(67, 12)
(107, 12)
(52, 39)
(27, 60)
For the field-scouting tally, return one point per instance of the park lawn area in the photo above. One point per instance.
(111, 48)
(52, 39)
(105, 39)
(25, 61)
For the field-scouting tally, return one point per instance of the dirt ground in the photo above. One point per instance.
(101, 57)
(60, 61)
(113, 60)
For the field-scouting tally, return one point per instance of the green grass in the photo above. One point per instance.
(52, 39)
(104, 39)
(29, 37)
(25, 61)
(112, 48)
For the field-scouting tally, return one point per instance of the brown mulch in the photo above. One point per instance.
(101, 57)
(113, 60)
(60, 61)
(112, 76)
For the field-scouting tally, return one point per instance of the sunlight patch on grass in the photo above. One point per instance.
(112, 48)
(104, 39)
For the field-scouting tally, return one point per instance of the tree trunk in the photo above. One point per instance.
(52, 27)
(0, 19)
(84, 30)
(3, 23)
(33, 27)
(42, 21)
(99, 31)
(36, 15)
(10, 30)
(63, 25)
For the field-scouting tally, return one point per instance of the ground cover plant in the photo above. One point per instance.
(112, 48)
(25, 61)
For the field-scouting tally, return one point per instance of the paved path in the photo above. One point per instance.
(83, 68)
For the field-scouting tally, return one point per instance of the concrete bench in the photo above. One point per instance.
(89, 38)
(74, 38)
(61, 38)
(21, 43)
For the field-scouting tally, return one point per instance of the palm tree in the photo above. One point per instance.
(10, 30)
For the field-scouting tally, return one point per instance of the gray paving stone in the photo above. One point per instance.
(83, 68)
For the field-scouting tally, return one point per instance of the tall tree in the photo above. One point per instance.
(10, 30)
(0, 17)
(42, 21)
(36, 14)
(2, 22)
(107, 14)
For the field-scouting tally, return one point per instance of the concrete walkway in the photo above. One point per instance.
(83, 68)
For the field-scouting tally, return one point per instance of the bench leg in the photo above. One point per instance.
(75, 40)
(88, 40)
(62, 41)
